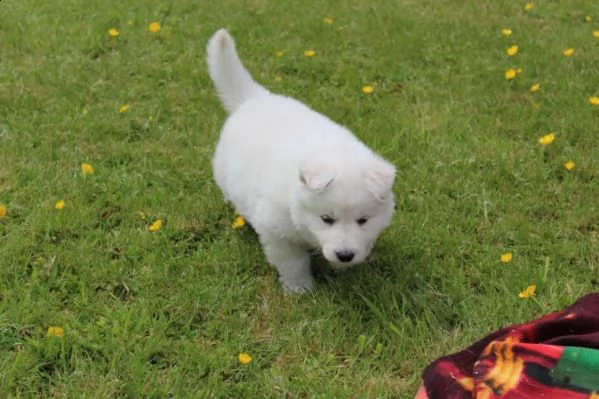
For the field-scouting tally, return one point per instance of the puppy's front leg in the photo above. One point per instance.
(292, 261)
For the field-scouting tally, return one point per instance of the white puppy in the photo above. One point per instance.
(301, 180)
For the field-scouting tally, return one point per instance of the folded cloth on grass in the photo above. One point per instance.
(554, 357)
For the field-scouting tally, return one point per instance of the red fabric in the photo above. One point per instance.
(520, 361)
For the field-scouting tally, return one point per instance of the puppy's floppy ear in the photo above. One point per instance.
(316, 177)
(380, 178)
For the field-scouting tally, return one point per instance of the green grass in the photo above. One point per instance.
(165, 314)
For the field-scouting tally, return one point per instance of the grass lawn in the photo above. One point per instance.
(166, 313)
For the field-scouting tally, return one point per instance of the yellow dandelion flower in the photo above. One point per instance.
(327, 20)
(239, 222)
(154, 227)
(547, 139)
(124, 108)
(588, 18)
(278, 78)
(506, 257)
(528, 291)
(59, 204)
(244, 358)
(529, 6)
(309, 53)
(535, 87)
(512, 50)
(510, 74)
(154, 27)
(54, 331)
(519, 70)
(113, 32)
(279, 54)
(569, 52)
(87, 168)
(3, 211)
(141, 215)
(506, 32)
(569, 165)
(596, 33)
(368, 89)
(594, 100)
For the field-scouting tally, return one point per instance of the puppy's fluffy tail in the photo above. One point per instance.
(233, 82)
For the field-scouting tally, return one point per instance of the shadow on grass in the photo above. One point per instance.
(397, 285)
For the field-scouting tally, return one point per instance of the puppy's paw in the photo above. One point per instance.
(298, 286)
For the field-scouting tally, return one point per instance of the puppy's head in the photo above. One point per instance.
(344, 203)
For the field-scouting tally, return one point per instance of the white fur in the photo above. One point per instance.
(283, 166)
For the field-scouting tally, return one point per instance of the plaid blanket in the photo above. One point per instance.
(554, 357)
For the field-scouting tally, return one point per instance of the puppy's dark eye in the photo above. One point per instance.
(362, 221)
(327, 219)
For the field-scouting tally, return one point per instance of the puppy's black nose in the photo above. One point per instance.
(345, 256)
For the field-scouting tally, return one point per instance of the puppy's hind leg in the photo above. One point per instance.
(292, 262)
